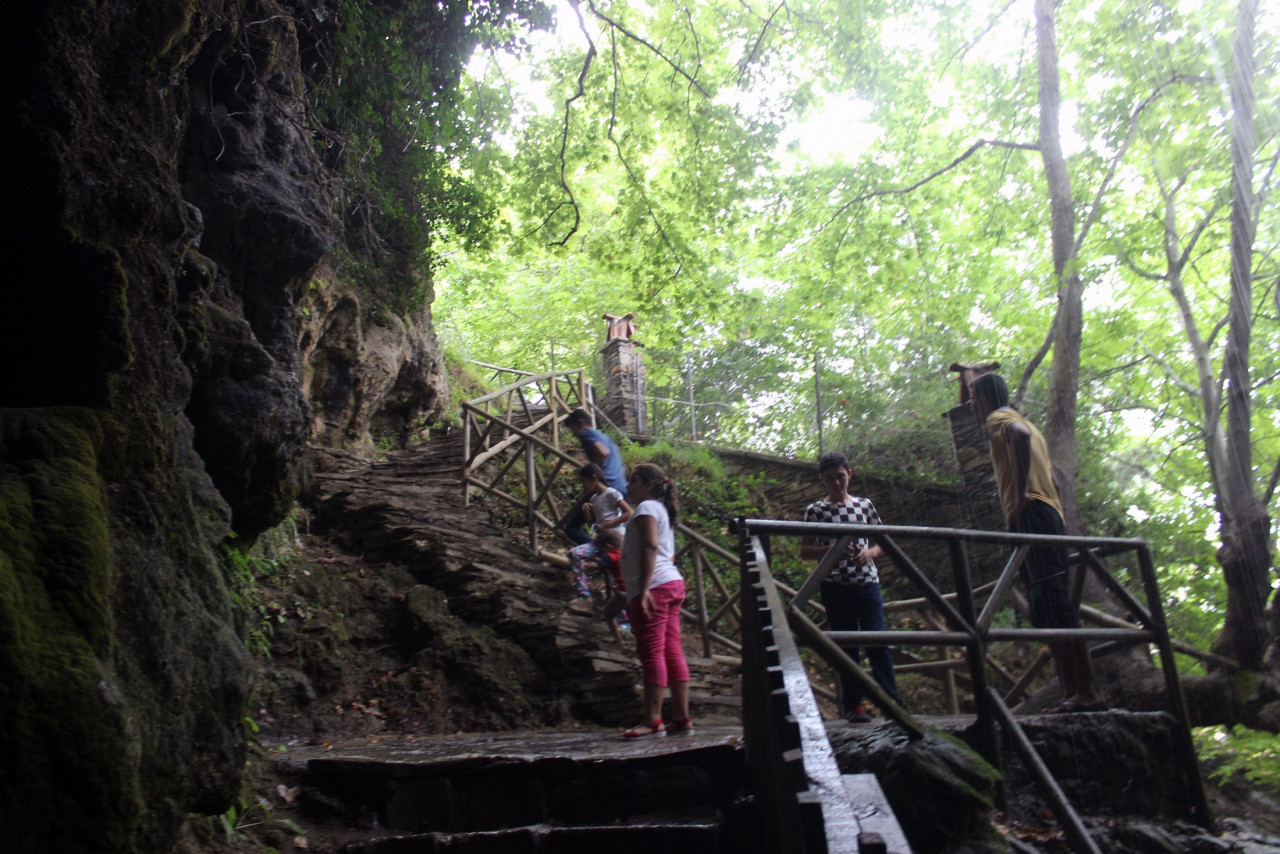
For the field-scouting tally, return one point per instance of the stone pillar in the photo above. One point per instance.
(624, 396)
(981, 504)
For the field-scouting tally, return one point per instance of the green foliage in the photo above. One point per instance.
(254, 575)
(707, 497)
(387, 98)
(384, 445)
(243, 570)
(1250, 753)
(664, 174)
(464, 383)
(244, 818)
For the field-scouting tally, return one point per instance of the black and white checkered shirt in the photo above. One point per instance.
(859, 511)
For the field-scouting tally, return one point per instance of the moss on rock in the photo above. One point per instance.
(56, 578)
(122, 681)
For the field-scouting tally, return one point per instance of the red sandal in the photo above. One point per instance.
(682, 727)
(646, 730)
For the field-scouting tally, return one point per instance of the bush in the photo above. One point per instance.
(1240, 750)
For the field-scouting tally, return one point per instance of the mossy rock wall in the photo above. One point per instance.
(170, 213)
(124, 681)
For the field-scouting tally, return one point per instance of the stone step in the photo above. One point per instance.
(631, 839)
(555, 789)
(408, 511)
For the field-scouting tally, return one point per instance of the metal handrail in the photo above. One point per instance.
(966, 629)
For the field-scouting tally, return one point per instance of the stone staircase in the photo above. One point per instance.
(526, 792)
(409, 510)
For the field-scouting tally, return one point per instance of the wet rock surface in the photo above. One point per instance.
(1118, 769)
(173, 211)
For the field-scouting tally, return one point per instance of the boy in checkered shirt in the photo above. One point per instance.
(851, 592)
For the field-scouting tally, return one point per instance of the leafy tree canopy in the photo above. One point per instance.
(858, 185)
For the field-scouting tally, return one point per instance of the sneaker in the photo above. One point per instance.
(858, 714)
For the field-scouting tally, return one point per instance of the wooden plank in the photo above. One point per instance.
(874, 813)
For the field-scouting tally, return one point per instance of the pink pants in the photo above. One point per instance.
(658, 636)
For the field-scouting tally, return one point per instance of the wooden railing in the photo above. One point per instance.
(961, 621)
(514, 451)
(521, 422)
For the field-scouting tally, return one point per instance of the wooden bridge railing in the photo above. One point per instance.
(513, 450)
(521, 423)
(963, 623)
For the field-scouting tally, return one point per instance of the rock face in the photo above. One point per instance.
(170, 216)
(372, 377)
(1111, 766)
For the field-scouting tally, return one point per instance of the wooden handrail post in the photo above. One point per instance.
(466, 455)
(702, 600)
(1177, 700)
(531, 481)
(1074, 828)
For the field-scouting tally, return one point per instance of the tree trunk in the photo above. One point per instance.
(1246, 550)
(1064, 375)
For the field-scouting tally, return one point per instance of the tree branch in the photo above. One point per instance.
(1272, 482)
(1197, 232)
(751, 54)
(1171, 374)
(1095, 208)
(1122, 253)
(1030, 369)
(1118, 369)
(641, 40)
(901, 191)
(564, 137)
(622, 158)
(995, 19)
(1264, 184)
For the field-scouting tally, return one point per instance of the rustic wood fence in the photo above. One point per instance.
(514, 451)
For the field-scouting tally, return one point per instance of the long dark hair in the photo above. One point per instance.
(991, 388)
(660, 486)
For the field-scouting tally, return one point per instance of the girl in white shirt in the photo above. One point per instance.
(657, 591)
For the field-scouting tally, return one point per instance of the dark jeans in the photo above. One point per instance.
(575, 522)
(1044, 572)
(859, 608)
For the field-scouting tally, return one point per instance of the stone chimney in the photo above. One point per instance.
(624, 395)
(981, 496)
